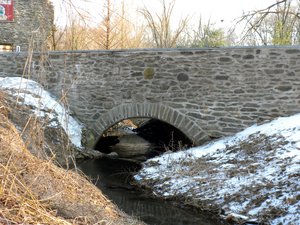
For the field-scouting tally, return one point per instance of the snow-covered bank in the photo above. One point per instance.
(43, 105)
(254, 174)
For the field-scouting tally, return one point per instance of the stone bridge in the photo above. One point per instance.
(204, 93)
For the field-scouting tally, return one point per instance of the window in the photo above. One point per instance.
(6, 47)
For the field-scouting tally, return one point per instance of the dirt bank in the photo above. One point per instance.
(35, 191)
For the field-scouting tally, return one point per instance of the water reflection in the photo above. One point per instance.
(112, 176)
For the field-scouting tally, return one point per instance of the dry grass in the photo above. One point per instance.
(18, 204)
(35, 191)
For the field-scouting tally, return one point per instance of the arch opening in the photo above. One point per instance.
(141, 138)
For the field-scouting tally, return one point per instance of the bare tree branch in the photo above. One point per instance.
(160, 25)
(285, 17)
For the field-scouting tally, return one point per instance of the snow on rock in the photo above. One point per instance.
(33, 94)
(253, 175)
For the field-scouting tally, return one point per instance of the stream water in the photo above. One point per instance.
(113, 177)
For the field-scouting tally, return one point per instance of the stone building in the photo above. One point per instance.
(25, 24)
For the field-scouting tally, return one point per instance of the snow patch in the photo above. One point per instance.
(33, 94)
(254, 174)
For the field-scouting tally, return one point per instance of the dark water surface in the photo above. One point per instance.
(113, 176)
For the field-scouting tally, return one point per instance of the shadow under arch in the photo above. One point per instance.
(151, 110)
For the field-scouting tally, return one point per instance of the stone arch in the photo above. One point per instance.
(155, 111)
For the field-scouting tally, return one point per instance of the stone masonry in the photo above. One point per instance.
(33, 21)
(205, 93)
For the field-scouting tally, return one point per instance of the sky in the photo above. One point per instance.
(213, 10)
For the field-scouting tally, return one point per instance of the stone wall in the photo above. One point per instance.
(32, 23)
(203, 92)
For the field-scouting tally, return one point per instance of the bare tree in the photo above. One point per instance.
(116, 29)
(122, 25)
(107, 27)
(277, 24)
(130, 34)
(205, 35)
(56, 37)
(111, 27)
(160, 25)
(73, 34)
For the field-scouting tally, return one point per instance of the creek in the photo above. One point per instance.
(113, 176)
